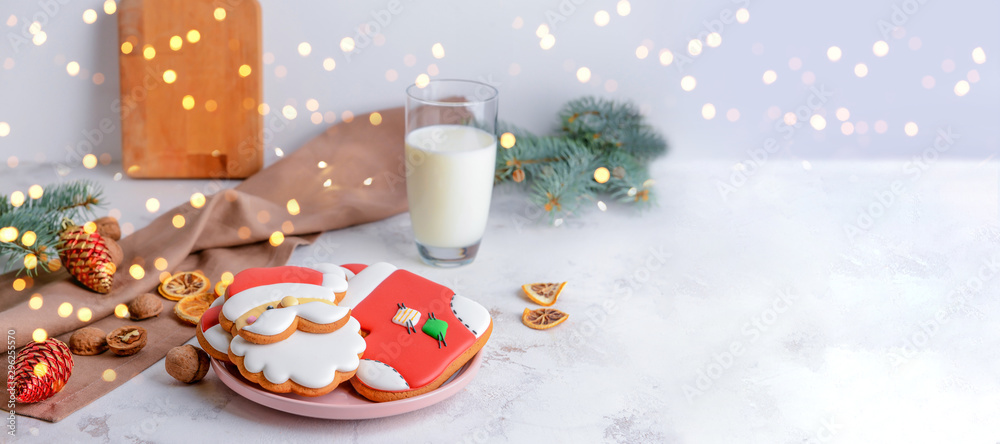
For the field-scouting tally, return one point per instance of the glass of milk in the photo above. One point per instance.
(450, 164)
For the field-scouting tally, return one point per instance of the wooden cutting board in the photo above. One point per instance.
(191, 84)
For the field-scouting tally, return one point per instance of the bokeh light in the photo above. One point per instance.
(136, 271)
(507, 140)
(601, 18)
(688, 83)
(65, 309)
(861, 70)
(834, 53)
(818, 122)
(961, 88)
(708, 111)
(770, 76)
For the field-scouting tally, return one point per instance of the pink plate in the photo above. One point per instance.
(343, 402)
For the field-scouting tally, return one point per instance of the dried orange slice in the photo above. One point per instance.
(543, 318)
(190, 308)
(185, 283)
(544, 294)
(220, 288)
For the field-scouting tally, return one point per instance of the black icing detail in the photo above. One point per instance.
(270, 307)
(460, 318)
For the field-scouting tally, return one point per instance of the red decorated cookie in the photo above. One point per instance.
(418, 332)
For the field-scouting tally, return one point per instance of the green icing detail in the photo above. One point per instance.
(435, 328)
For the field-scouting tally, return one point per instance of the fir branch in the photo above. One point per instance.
(43, 218)
(561, 170)
(35, 232)
(559, 187)
(70, 199)
(611, 125)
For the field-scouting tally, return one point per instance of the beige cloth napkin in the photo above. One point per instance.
(229, 233)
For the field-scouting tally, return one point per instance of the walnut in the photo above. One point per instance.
(187, 363)
(88, 341)
(114, 251)
(108, 227)
(144, 306)
(128, 340)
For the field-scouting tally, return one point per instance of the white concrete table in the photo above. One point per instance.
(809, 303)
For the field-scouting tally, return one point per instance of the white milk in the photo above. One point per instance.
(449, 183)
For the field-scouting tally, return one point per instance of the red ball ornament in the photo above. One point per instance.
(41, 369)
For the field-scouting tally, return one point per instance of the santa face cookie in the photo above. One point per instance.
(282, 328)
(418, 332)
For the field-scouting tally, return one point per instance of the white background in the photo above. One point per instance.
(49, 111)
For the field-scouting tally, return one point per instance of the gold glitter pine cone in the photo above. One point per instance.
(87, 257)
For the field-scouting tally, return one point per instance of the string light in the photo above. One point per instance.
(880, 48)
(507, 140)
(623, 8)
(770, 76)
(136, 271)
(601, 18)
(347, 44)
(666, 57)
(89, 16)
(834, 53)
(688, 83)
(602, 175)
(861, 70)
(708, 111)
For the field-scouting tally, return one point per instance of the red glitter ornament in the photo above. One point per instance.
(41, 369)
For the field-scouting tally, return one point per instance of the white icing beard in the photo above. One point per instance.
(251, 298)
(218, 338)
(308, 359)
(277, 320)
(334, 277)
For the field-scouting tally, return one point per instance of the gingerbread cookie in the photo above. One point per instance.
(282, 328)
(418, 332)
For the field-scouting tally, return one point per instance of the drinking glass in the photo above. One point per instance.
(450, 165)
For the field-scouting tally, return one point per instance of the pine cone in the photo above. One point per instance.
(86, 256)
(40, 370)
